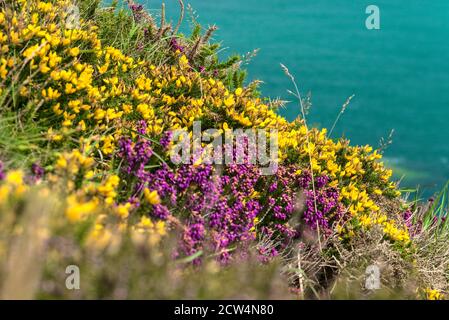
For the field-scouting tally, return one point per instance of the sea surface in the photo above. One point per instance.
(399, 74)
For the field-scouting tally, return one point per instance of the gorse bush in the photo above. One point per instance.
(95, 106)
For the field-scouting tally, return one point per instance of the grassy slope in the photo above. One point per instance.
(405, 265)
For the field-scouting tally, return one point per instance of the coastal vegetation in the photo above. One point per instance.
(90, 96)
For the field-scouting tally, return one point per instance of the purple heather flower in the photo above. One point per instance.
(273, 187)
(136, 155)
(142, 127)
(37, 171)
(160, 211)
(266, 254)
(322, 205)
(224, 257)
(218, 211)
(175, 45)
(137, 11)
(166, 139)
(321, 181)
(196, 231)
(414, 227)
(407, 214)
(2, 172)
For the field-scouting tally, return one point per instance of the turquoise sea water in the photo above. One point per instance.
(399, 74)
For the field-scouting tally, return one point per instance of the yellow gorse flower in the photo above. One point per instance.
(433, 294)
(77, 209)
(151, 196)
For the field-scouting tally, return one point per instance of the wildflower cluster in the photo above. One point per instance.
(12, 186)
(110, 118)
(433, 294)
(86, 88)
